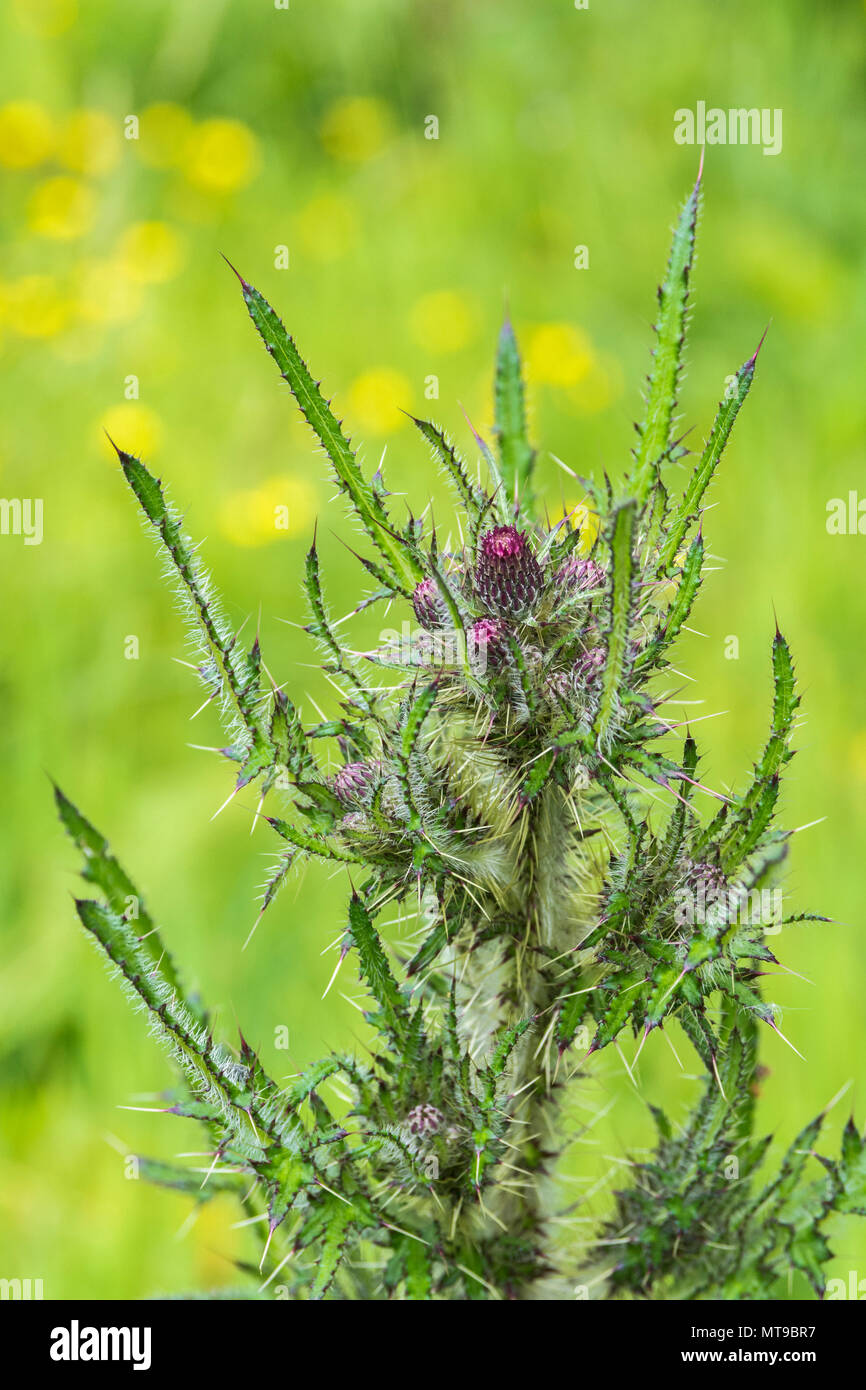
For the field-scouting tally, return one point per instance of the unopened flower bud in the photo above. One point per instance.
(577, 574)
(355, 783)
(424, 1120)
(587, 670)
(486, 641)
(429, 605)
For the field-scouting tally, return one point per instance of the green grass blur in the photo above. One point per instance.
(262, 128)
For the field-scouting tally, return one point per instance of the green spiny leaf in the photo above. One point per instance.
(102, 869)
(415, 717)
(318, 414)
(620, 609)
(375, 969)
(227, 668)
(700, 480)
(209, 1069)
(456, 470)
(654, 434)
(332, 1248)
(785, 704)
(516, 456)
(681, 606)
(313, 844)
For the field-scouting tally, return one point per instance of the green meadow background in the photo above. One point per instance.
(261, 128)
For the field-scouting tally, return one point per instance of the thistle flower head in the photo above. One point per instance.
(577, 573)
(702, 871)
(705, 880)
(424, 1120)
(508, 578)
(588, 668)
(706, 886)
(486, 642)
(503, 543)
(355, 783)
(428, 605)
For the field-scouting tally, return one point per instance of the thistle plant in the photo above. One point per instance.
(509, 780)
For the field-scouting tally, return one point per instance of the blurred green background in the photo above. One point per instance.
(260, 128)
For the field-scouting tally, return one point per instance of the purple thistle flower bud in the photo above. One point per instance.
(707, 874)
(486, 642)
(706, 891)
(558, 686)
(424, 1120)
(429, 606)
(577, 574)
(587, 670)
(355, 782)
(508, 578)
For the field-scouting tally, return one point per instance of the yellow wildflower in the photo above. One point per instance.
(90, 142)
(444, 321)
(26, 134)
(163, 134)
(221, 156)
(558, 354)
(376, 399)
(278, 507)
(355, 128)
(61, 208)
(151, 252)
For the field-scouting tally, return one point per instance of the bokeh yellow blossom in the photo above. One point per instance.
(221, 156)
(27, 135)
(36, 306)
(444, 321)
(151, 252)
(90, 142)
(277, 508)
(557, 354)
(355, 128)
(133, 427)
(62, 208)
(164, 131)
(328, 226)
(377, 398)
(104, 292)
(597, 388)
